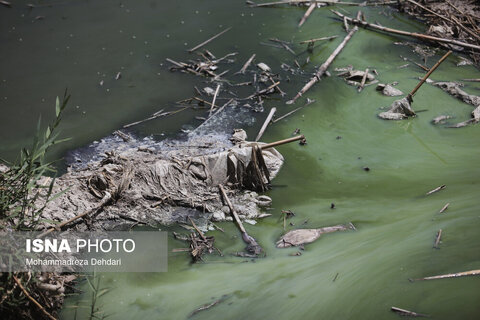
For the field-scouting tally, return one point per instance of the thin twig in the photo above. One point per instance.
(35, 302)
(208, 40)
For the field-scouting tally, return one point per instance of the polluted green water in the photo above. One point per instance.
(346, 275)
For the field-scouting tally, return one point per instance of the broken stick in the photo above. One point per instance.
(364, 78)
(450, 275)
(35, 302)
(436, 189)
(307, 14)
(323, 68)
(311, 41)
(278, 143)
(444, 208)
(410, 95)
(252, 245)
(208, 40)
(409, 313)
(266, 123)
(213, 101)
(437, 239)
(309, 101)
(247, 64)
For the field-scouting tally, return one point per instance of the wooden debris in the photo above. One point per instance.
(264, 91)
(278, 143)
(252, 246)
(323, 68)
(364, 78)
(265, 124)
(213, 101)
(208, 40)
(207, 306)
(444, 208)
(311, 41)
(332, 2)
(198, 245)
(156, 115)
(201, 68)
(309, 101)
(6, 3)
(437, 239)
(307, 14)
(35, 302)
(284, 45)
(410, 95)
(453, 20)
(246, 65)
(335, 278)
(451, 275)
(406, 33)
(401, 109)
(436, 189)
(408, 313)
(124, 136)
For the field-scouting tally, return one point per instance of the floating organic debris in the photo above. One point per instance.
(440, 119)
(208, 40)
(436, 189)
(389, 90)
(445, 207)
(450, 275)
(323, 68)
(401, 109)
(407, 313)
(302, 236)
(437, 239)
(454, 89)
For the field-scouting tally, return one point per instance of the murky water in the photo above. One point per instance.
(347, 275)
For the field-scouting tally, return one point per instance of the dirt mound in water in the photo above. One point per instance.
(142, 185)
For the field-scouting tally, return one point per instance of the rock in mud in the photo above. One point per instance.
(303, 236)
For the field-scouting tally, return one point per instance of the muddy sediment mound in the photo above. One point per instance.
(151, 187)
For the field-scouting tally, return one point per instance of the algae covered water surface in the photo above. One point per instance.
(345, 275)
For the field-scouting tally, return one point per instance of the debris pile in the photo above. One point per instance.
(453, 19)
(455, 89)
(165, 187)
